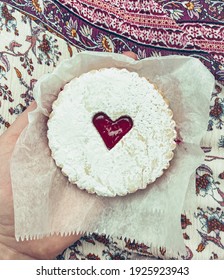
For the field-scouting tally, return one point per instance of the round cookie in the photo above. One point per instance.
(111, 132)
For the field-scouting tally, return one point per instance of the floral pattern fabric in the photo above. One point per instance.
(146, 27)
(36, 35)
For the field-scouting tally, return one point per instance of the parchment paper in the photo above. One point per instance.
(46, 203)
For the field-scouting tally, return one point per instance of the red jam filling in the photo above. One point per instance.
(112, 131)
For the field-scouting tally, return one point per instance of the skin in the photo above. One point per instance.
(46, 248)
(10, 249)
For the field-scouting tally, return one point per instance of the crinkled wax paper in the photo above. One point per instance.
(46, 203)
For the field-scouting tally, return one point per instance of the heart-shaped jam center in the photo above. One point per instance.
(112, 131)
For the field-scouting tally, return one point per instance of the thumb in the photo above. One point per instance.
(131, 55)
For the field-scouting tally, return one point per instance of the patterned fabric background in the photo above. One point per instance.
(36, 35)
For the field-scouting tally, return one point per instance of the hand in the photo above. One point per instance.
(45, 248)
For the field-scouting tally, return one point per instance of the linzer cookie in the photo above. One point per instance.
(111, 132)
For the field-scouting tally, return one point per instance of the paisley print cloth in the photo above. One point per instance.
(35, 35)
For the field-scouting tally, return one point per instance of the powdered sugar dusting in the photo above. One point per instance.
(137, 159)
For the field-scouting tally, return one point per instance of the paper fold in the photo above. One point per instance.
(46, 203)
